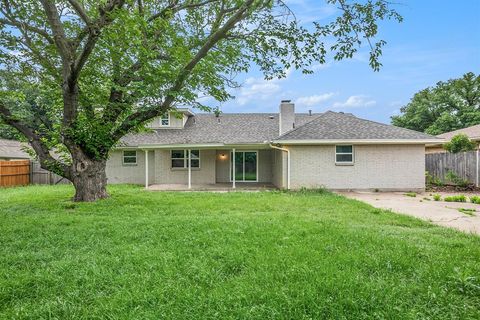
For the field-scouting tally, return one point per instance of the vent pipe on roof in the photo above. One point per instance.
(286, 119)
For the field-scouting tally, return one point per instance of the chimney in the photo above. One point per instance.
(286, 119)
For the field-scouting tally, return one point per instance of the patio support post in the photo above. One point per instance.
(146, 169)
(233, 168)
(189, 169)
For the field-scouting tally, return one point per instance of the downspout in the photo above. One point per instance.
(288, 162)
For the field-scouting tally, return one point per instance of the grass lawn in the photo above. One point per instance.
(265, 255)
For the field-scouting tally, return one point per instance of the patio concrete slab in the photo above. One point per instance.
(438, 212)
(216, 187)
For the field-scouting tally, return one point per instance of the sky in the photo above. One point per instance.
(438, 40)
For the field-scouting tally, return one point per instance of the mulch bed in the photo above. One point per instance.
(453, 188)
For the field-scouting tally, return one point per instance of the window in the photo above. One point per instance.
(130, 157)
(344, 154)
(180, 158)
(165, 120)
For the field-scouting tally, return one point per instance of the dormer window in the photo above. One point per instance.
(165, 120)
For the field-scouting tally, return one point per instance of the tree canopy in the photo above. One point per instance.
(450, 105)
(77, 75)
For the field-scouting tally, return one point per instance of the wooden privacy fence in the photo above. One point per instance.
(24, 172)
(464, 164)
(42, 176)
(14, 173)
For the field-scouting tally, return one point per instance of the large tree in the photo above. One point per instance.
(77, 75)
(448, 106)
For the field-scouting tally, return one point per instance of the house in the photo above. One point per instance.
(473, 133)
(12, 150)
(287, 150)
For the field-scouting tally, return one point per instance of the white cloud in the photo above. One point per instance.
(315, 99)
(259, 89)
(358, 101)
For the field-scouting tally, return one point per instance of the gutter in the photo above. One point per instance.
(358, 141)
(288, 162)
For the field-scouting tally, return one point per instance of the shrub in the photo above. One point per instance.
(437, 197)
(475, 199)
(456, 179)
(432, 181)
(459, 143)
(458, 198)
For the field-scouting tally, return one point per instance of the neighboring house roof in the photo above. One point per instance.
(472, 132)
(228, 128)
(254, 128)
(339, 126)
(12, 149)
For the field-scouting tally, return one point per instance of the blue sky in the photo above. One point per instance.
(438, 40)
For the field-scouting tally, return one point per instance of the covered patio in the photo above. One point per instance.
(211, 167)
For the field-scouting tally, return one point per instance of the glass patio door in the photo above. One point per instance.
(245, 166)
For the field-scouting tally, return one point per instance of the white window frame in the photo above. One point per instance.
(129, 163)
(345, 163)
(185, 159)
(167, 118)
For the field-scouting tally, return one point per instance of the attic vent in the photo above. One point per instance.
(271, 117)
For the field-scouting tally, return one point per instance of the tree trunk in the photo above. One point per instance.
(89, 179)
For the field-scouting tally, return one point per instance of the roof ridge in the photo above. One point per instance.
(391, 125)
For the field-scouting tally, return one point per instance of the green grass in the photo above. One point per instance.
(457, 198)
(475, 199)
(266, 255)
(411, 194)
(470, 212)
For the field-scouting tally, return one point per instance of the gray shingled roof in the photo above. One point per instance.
(472, 132)
(244, 128)
(338, 126)
(13, 149)
(229, 128)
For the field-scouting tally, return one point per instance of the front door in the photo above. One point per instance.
(245, 166)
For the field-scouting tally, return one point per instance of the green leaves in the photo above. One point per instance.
(460, 143)
(448, 106)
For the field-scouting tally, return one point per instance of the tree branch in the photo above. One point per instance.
(140, 117)
(94, 33)
(47, 162)
(80, 10)
(172, 8)
(22, 25)
(59, 36)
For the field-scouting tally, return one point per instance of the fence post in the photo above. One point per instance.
(477, 183)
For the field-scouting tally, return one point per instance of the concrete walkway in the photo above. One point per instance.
(439, 212)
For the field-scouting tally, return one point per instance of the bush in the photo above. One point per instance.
(437, 197)
(456, 179)
(459, 198)
(475, 199)
(460, 143)
(432, 181)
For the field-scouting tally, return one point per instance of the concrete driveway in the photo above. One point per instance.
(439, 212)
